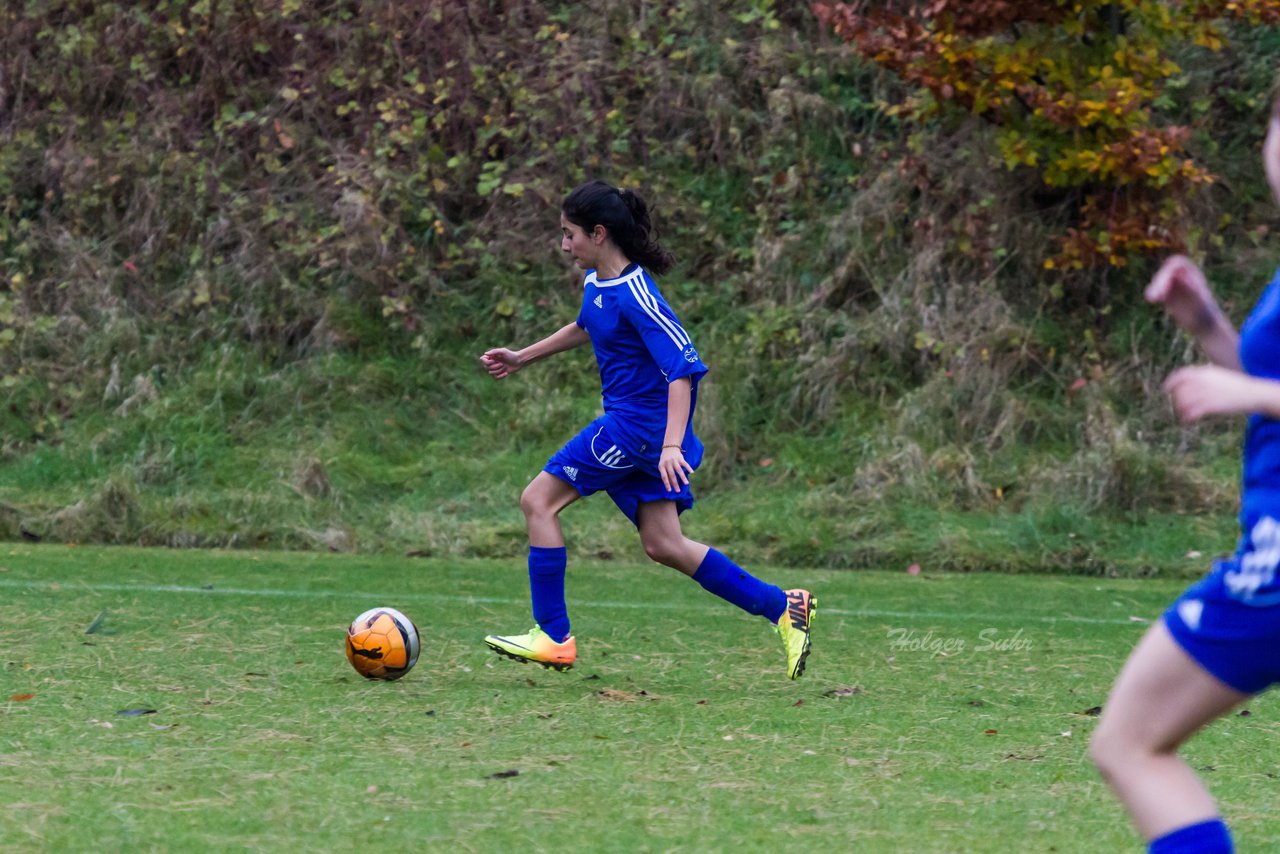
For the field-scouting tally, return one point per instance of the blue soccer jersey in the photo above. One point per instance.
(1254, 578)
(640, 348)
(1229, 622)
(1260, 357)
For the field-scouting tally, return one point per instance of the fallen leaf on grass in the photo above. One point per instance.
(21, 698)
(502, 775)
(621, 696)
(989, 732)
(843, 692)
(1091, 712)
(798, 703)
(133, 713)
(1024, 757)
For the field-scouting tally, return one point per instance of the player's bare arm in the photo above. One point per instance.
(1203, 390)
(501, 362)
(1180, 287)
(672, 466)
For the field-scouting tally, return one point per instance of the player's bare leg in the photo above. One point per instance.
(792, 613)
(542, 500)
(1160, 699)
(663, 539)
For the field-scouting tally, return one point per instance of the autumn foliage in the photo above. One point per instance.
(1071, 87)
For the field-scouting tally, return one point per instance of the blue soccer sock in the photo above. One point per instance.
(546, 588)
(1207, 837)
(721, 576)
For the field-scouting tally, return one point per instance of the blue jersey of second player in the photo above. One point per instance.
(1254, 579)
(640, 348)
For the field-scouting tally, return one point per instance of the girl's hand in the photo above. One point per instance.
(673, 468)
(1202, 390)
(501, 362)
(1180, 286)
(1271, 151)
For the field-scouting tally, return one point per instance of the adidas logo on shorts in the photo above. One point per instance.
(1190, 610)
(571, 471)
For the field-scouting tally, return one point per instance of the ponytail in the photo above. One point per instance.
(625, 216)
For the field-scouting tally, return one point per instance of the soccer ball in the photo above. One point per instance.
(382, 643)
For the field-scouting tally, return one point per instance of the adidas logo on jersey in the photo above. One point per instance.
(571, 471)
(599, 301)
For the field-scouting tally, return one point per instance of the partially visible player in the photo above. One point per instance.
(643, 449)
(1219, 643)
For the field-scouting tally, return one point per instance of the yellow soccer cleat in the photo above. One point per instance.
(793, 627)
(536, 646)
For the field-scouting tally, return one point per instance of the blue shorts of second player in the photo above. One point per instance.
(1237, 642)
(591, 461)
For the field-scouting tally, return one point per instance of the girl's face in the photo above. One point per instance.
(1271, 154)
(583, 246)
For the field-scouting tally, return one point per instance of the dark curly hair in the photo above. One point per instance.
(624, 214)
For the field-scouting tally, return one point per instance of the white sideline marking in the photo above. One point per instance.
(442, 598)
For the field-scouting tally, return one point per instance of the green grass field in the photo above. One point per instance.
(939, 714)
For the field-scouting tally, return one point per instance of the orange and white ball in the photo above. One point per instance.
(382, 643)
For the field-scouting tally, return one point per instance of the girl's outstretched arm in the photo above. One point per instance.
(501, 362)
(1181, 288)
(1202, 390)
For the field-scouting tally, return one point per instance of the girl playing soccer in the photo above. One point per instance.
(1219, 643)
(642, 450)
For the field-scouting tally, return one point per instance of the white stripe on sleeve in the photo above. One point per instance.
(649, 303)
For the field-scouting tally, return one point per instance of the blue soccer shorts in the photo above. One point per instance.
(1237, 642)
(591, 461)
